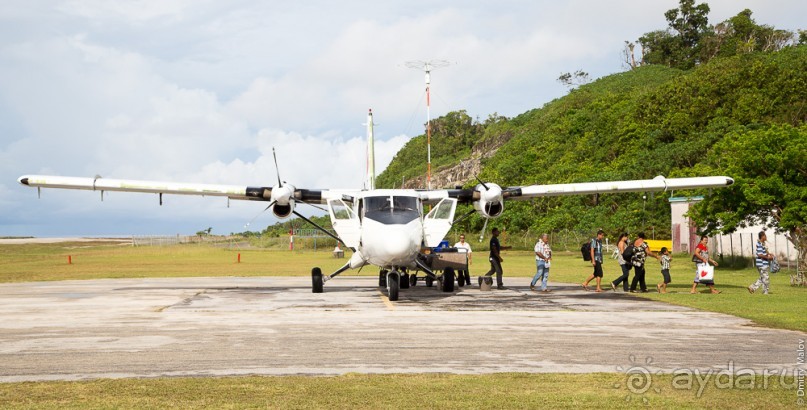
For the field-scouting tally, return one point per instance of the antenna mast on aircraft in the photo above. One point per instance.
(370, 151)
(428, 66)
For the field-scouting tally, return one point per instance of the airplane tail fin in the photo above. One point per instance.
(370, 152)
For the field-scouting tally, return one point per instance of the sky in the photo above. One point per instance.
(201, 91)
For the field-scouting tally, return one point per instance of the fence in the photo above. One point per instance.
(169, 240)
(156, 240)
(565, 240)
(743, 245)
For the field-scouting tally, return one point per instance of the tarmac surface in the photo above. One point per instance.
(115, 328)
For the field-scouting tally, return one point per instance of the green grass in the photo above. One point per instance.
(503, 390)
(103, 260)
(100, 260)
(780, 309)
(22, 263)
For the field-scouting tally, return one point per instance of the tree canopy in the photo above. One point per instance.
(654, 120)
(689, 40)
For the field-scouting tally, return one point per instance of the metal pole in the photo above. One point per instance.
(787, 249)
(731, 243)
(753, 253)
(775, 239)
(428, 127)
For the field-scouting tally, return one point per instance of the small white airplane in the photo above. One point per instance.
(383, 227)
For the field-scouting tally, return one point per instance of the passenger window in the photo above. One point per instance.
(443, 210)
(340, 210)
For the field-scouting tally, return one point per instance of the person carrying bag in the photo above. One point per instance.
(704, 272)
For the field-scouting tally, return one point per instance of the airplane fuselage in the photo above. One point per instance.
(393, 245)
(387, 227)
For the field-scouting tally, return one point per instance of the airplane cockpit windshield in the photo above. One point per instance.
(391, 209)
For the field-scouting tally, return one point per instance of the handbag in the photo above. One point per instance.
(775, 266)
(696, 259)
(706, 272)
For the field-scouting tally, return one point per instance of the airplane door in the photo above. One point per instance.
(345, 222)
(437, 223)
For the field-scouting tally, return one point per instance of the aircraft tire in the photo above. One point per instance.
(316, 280)
(448, 280)
(429, 281)
(382, 278)
(413, 279)
(393, 282)
(404, 281)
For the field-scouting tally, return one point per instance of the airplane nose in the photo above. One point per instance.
(23, 180)
(396, 243)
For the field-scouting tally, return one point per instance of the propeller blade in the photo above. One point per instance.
(277, 169)
(259, 214)
(483, 184)
(484, 227)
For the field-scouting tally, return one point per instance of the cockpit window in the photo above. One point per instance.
(391, 209)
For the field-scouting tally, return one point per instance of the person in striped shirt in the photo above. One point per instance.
(763, 262)
(665, 269)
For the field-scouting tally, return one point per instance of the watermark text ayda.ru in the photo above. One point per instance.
(639, 378)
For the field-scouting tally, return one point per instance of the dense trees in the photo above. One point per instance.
(680, 45)
(690, 40)
(769, 165)
(654, 120)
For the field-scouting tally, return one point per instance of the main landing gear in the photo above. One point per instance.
(448, 280)
(394, 280)
(316, 280)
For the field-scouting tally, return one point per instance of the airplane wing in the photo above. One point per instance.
(239, 192)
(488, 198)
(658, 183)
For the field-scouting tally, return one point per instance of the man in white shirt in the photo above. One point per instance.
(464, 247)
(543, 257)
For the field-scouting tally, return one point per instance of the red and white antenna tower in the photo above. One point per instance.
(428, 66)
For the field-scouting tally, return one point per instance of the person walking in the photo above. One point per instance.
(624, 266)
(596, 260)
(665, 269)
(495, 259)
(640, 252)
(464, 247)
(543, 258)
(701, 256)
(763, 262)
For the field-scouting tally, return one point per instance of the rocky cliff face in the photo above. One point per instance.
(465, 170)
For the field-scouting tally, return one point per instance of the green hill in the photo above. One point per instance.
(649, 121)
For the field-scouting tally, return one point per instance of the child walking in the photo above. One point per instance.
(665, 269)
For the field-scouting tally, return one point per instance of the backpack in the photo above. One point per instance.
(586, 251)
(627, 255)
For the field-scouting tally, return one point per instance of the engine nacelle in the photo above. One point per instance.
(283, 198)
(491, 201)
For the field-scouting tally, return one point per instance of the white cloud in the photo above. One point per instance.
(129, 11)
(201, 91)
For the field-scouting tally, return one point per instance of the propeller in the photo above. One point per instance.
(259, 214)
(484, 227)
(277, 169)
(482, 183)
